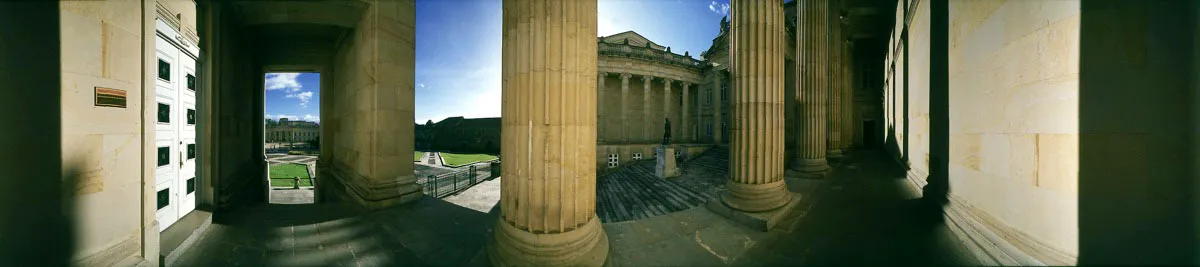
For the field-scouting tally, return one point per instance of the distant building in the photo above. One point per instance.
(460, 134)
(292, 131)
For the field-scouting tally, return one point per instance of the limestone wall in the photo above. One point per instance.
(641, 129)
(103, 145)
(373, 101)
(1014, 99)
(183, 13)
(647, 150)
(918, 92)
(238, 89)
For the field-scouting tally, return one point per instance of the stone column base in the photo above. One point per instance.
(584, 246)
(371, 194)
(756, 197)
(762, 221)
(811, 168)
(833, 153)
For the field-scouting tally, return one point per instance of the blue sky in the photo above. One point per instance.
(293, 96)
(458, 53)
(458, 46)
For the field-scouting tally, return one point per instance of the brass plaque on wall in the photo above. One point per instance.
(108, 97)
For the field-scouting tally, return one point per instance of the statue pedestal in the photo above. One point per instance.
(666, 163)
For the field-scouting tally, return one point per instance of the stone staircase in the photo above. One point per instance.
(633, 192)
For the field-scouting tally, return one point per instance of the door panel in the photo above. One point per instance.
(187, 133)
(175, 127)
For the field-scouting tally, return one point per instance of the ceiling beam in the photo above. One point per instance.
(337, 13)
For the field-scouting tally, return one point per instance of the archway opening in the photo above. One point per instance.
(292, 135)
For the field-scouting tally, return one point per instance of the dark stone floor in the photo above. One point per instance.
(425, 233)
(862, 214)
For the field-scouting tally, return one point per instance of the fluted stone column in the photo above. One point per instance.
(813, 46)
(625, 107)
(647, 136)
(600, 107)
(667, 108)
(685, 131)
(848, 119)
(716, 108)
(834, 128)
(697, 128)
(756, 192)
(548, 194)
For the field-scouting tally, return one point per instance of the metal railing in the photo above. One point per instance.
(446, 184)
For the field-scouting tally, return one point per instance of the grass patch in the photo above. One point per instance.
(281, 175)
(463, 159)
(417, 155)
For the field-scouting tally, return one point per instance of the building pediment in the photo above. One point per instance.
(633, 38)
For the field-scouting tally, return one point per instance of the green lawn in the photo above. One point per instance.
(463, 159)
(281, 175)
(417, 155)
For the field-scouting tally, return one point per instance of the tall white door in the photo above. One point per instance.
(175, 126)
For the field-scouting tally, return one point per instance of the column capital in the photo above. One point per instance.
(647, 78)
(625, 75)
(603, 73)
(668, 81)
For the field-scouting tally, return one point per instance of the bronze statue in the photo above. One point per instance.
(667, 132)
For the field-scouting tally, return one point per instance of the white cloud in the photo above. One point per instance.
(719, 8)
(284, 81)
(421, 85)
(302, 96)
(280, 116)
(306, 117)
(310, 117)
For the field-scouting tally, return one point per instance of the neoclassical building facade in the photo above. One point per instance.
(292, 131)
(641, 84)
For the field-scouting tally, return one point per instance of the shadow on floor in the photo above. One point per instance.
(426, 232)
(865, 214)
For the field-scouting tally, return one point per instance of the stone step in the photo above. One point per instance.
(634, 192)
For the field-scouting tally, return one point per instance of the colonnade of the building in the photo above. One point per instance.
(548, 196)
(626, 129)
(826, 84)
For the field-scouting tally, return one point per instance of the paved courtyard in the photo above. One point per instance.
(430, 165)
(289, 195)
(284, 158)
(861, 214)
(633, 191)
(279, 195)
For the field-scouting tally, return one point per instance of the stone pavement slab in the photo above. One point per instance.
(481, 197)
(856, 216)
(287, 195)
